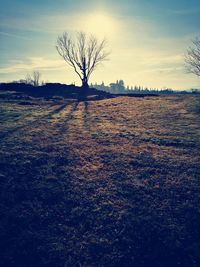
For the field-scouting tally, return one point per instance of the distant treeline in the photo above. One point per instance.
(72, 91)
(119, 88)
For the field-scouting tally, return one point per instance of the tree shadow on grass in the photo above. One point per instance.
(64, 125)
(33, 122)
(86, 116)
(56, 111)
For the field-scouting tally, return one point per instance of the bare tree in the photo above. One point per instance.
(83, 53)
(28, 79)
(192, 57)
(36, 78)
(33, 78)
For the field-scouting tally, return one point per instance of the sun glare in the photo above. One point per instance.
(100, 24)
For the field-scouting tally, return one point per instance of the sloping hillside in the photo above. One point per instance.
(100, 183)
(51, 90)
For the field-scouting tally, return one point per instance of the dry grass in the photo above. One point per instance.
(100, 183)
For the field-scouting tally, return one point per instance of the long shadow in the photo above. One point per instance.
(86, 116)
(64, 125)
(56, 111)
(48, 116)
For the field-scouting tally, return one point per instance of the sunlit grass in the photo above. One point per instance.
(101, 182)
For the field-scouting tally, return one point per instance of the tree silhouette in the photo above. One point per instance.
(82, 52)
(192, 57)
(34, 78)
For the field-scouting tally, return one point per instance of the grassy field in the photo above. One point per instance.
(114, 182)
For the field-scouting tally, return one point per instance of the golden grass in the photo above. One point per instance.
(107, 183)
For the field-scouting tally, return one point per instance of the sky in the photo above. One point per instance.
(147, 39)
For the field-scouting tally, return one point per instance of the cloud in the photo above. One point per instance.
(13, 35)
(32, 63)
(142, 52)
(190, 11)
(51, 23)
(151, 60)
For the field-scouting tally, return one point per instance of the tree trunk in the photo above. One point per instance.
(84, 91)
(85, 79)
(85, 84)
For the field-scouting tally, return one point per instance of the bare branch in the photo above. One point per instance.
(83, 53)
(192, 57)
(34, 78)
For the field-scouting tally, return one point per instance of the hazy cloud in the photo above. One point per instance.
(31, 64)
(13, 35)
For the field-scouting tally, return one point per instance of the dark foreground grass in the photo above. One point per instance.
(114, 182)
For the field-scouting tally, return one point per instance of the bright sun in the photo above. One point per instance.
(100, 24)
